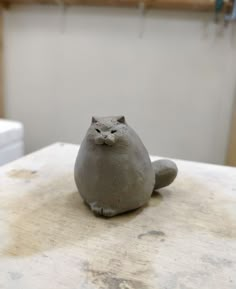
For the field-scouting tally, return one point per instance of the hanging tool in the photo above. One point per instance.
(232, 16)
(142, 9)
(219, 4)
(62, 11)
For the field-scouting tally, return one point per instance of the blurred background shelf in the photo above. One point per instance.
(200, 5)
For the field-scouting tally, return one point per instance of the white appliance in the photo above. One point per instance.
(11, 141)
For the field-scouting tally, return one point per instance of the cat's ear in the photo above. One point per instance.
(121, 119)
(94, 119)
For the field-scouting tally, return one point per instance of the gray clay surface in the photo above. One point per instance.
(113, 171)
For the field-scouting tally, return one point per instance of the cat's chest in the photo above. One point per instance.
(107, 157)
(114, 170)
(113, 163)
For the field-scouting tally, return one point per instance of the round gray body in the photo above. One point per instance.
(113, 171)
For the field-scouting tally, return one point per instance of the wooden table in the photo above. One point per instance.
(184, 239)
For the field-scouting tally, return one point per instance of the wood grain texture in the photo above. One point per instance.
(201, 5)
(1, 65)
(184, 238)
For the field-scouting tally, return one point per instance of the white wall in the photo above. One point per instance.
(171, 73)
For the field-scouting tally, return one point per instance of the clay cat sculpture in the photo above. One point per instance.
(113, 171)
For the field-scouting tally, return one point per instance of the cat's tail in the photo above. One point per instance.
(165, 171)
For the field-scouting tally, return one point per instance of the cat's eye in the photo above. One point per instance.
(98, 130)
(113, 131)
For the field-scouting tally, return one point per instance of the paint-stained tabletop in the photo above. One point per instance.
(185, 238)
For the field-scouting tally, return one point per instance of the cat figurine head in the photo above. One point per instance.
(108, 131)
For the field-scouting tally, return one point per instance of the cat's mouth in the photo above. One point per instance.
(107, 144)
(104, 142)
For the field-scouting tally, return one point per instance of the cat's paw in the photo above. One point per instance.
(109, 213)
(99, 211)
